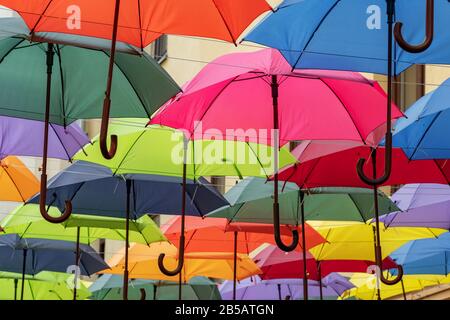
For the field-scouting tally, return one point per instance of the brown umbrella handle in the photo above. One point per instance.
(143, 294)
(277, 232)
(42, 204)
(107, 153)
(389, 282)
(177, 270)
(429, 32)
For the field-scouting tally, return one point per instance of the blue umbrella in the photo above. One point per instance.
(425, 256)
(359, 36)
(31, 256)
(423, 134)
(94, 189)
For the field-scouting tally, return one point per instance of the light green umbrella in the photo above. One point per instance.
(27, 221)
(109, 287)
(159, 150)
(43, 286)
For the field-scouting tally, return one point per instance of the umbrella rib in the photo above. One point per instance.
(40, 17)
(357, 208)
(60, 140)
(11, 50)
(140, 24)
(225, 22)
(424, 134)
(441, 171)
(129, 150)
(257, 158)
(14, 183)
(325, 16)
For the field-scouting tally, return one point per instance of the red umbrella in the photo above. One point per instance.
(135, 22)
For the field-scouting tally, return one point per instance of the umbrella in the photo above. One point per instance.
(250, 202)
(366, 284)
(27, 221)
(94, 189)
(137, 24)
(76, 88)
(280, 289)
(144, 264)
(22, 137)
(31, 256)
(421, 134)
(177, 156)
(43, 286)
(344, 35)
(217, 235)
(276, 105)
(425, 256)
(109, 287)
(17, 182)
(422, 205)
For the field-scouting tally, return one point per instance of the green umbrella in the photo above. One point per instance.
(43, 286)
(76, 90)
(159, 150)
(251, 200)
(27, 222)
(109, 287)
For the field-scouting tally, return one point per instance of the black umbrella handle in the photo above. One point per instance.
(42, 204)
(177, 270)
(277, 232)
(429, 32)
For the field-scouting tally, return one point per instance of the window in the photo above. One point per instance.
(158, 49)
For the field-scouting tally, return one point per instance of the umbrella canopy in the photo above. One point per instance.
(95, 190)
(319, 170)
(422, 205)
(17, 182)
(366, 284)
(78, 83)
(204, 158)
(27, 222)
(422, 134)
(217, 235)
(43, 286)
(355, 241)
(351, 35)
(276, 264)
(425, 256)
(109, 287)
(144, 264)
(21, 137)
(46, 255)
(281, 289)
(251, 199)
(211, 101)
(140, 22)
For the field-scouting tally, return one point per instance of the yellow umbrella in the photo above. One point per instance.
(366, 284)
(143, 264)
(17, 182)
(355, 241)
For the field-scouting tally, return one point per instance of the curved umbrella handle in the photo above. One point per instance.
(42, 204)
(277, 232)
(429, 32)
(389, 282)
(387, 165)
(177, 270)
(107, 153)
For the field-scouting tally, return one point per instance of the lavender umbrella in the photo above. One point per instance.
(284, 289)
(21, 137)
(422, 205)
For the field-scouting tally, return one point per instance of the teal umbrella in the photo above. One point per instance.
(76, 89)
(109, 287)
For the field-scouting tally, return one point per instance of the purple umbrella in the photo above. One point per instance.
(422, 205)
(284, 289)
(21, 137)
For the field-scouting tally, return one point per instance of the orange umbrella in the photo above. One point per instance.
(217, 235)
(17, 182)
(143, 264)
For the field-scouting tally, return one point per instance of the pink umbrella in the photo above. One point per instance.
(257, 97)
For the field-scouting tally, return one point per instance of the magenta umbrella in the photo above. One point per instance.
(257, 97)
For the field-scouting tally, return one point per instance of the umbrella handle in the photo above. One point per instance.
(277, 232)
(42, 204)
(107, 153)
(177, 270)
(387, 165)
(429, 32)
(143, 294)
(389, 282)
